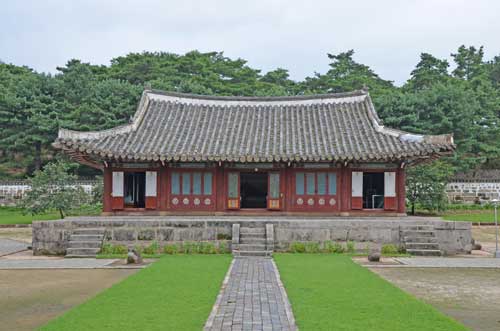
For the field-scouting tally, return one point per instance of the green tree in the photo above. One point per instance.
(51, 189)
(469, 61)
(429, 71)
(28, 113)
(346, 75)
(425, 185)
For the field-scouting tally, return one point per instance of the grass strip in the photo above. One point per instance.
(330, 292)
(175, 293)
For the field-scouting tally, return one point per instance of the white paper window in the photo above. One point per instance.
(390, 184)
(117, 184)
(357, 183)
(150, 183)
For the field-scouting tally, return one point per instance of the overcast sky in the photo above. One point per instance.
(296, 35)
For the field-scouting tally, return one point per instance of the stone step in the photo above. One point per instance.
(417, 228)
(424, 252)
(255, 241)
(254, 253)
(98, 231)
(429, 240)
(84, 244)
(252, 236)
(261, 231)
(431, 246)
(418, 233)
(76, 256)
(82, 251)
(86, 237)
(252, 247)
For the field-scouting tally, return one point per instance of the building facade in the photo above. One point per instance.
(192, 154)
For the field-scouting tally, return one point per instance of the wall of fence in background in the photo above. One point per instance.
(473, 191)
(11, 191)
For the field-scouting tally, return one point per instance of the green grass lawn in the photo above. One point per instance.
(11, 215)
(330, 292)
(474, 217)
(175, 293)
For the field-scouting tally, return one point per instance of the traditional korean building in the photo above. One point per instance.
(194, 154)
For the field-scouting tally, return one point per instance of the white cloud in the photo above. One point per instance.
(386, 35)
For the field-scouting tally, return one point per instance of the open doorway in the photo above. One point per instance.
(253, 190)
(373, 190)
(135, 189)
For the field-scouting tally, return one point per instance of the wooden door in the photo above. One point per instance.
(151, 189)
(233, 190)
(273, 191)
(390, 190)
(357, 190)
(117, 190)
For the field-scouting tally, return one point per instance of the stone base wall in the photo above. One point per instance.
(472, 192)
(51, 237)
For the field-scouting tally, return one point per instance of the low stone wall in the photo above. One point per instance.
(11, 191)
(473, 191)
(51, 237)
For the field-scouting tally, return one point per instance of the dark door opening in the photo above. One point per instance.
(373, 190)
(135, 189)
(253, 190)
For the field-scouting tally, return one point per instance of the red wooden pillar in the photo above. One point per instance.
(345, 190)
(163, 188)
(220, 190)
(106, 194)
(401, 190)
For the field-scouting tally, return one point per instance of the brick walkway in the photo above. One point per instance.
(252, 298)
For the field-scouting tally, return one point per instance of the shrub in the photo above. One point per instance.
(223, 236)
(389, 249)
(107, 248)
(171, 249)
(222, 248)
(119, 249)
(151, 249)
(312, 247)
(208, 248)
(297, 247)
(139, 249)
(350, 247)
(188, 247)
(331, 247)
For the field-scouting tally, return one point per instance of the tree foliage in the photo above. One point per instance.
(464, 101)
(51, 189)
(425, 185)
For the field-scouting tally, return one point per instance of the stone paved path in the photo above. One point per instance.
(9, 246)
(54, 263)
(252, 298)
(450, 262)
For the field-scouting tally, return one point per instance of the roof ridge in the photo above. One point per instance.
(259, 98)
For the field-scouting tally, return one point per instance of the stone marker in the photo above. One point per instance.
(374, 257)
(134, 257)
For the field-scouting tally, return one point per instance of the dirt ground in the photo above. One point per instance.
(30, 298)
(21, 234)
(471, 296)
(485, 235)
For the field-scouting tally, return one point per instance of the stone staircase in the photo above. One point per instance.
(420, 240)
(253, 241)
(85, 242)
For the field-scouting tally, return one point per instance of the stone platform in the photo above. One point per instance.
(52, 237)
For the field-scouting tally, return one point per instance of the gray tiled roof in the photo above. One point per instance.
(172, 126)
